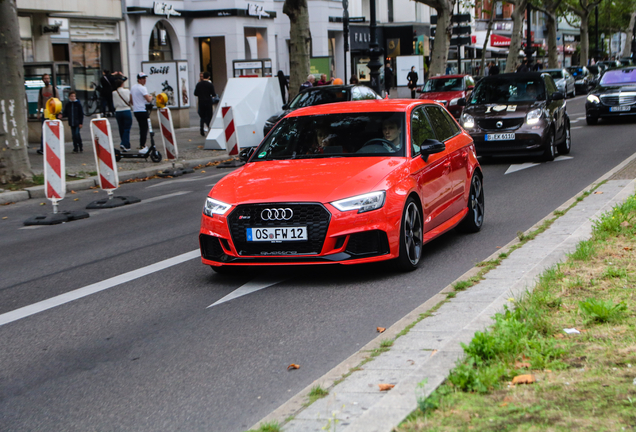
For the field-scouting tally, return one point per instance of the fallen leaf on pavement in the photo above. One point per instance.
(521, 365)
(411, 362)
(433, 352)
(202, 171)
(381, 329)
(627, 248)
(76, 199)
(293, 366)
(95, 191)
(42, 203)
(386, 387)
(5, 218)
(73, 192)
(524, 379)
(598, 193)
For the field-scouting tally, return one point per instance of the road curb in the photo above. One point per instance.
(87, 183)
(296, 404)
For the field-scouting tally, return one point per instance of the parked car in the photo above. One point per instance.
(348, 183)
(518, 114)
(448, 90)
(609, 64)
(614, 96)
(596, 72)
(583, 78)
(321, 95)
(563, 80)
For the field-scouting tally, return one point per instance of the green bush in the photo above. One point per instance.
(602, 311)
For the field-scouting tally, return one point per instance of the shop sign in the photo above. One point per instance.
(499, 41)
(256, 10)
(183, 84)
(161, 8)
(569, 38)
(163, 78)
(360, 38)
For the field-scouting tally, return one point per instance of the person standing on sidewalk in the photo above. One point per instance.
(122, 102)
(75, 116)
(140, 97)
(46, 93)
(388, 77)
(205, 92)
(412, 78)
(106, 83)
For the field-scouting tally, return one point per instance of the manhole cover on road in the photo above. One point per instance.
(628, 172)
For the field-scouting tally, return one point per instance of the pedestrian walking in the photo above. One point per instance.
(106, 83)
(122, 101)
(412, 79)
(205, 92)
(75, 116)
(354, 80)
(45, 93)
(307, 84)
(494, 69)
(140, 97)
(388, 77)
(523, 67)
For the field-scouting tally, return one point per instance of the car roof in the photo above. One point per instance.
(449, 76)
(517, 76)
(370, 105)
(552, 70)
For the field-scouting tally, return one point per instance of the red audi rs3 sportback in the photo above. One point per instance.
(346, 183)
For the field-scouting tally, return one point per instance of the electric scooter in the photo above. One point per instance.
(152, 152)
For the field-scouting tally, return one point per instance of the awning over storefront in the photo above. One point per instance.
(499, 41)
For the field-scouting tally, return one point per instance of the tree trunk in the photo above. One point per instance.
(483, 50)
(630, 34)
(439, 56)
(14, 159)
(585, 40)
(553, 50)
(299, 43)
(518, 15)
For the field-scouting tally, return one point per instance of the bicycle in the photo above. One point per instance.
(93, 103)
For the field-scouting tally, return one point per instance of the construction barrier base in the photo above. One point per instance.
(116, 201)
(231, 164)
(56, 218)
(175, 172)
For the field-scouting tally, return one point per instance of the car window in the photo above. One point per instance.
(367, 93)
(441, 126)
(443, 85)
(356, 94)
(556, 74)
(470, 81)
(421, 130)
(619, 76)
(507, 90)
(550, 85)
(319, 97)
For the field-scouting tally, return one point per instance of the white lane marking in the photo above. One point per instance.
(576, 127)
(574, 121)
(185, 180)
(70, 296)
(580, 118)
(34, 226)
(248, 288)
(519, 167)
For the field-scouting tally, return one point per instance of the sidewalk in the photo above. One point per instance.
(424, 351)
(82, 165)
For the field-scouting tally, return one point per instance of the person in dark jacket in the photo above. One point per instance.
(106, 84)
(205, 91)
(75, 116)
(412, 79)
(307, 84)
(494, 70)
(388, 77)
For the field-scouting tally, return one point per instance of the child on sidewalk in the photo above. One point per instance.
(75, 115)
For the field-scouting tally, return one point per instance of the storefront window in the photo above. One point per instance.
(86, 57)
(27, 50)
(160, 48)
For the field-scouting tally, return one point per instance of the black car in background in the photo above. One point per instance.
(518, 114)
(614, 96)
(583, 78)
(319, 96)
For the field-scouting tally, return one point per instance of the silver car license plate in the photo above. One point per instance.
(620, 108)
(500, 137)
(277, 234)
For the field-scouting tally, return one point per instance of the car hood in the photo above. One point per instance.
(447, 96)
(614, 88)
(305, 180)
(511, 110)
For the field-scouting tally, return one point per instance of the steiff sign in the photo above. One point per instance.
(161, 8)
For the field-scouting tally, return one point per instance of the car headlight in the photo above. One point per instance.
(534, 116)
(362, 203)
(213, 207)
(468, 121)
(453, 101)
(593, 99)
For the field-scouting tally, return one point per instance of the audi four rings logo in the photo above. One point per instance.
(277, 214)
(499, 124)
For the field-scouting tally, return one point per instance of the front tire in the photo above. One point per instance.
(474, 219)
(564, 147)
(550, 151)
(411, 237)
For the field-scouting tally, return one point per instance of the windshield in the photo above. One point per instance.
(503, 91)
(335, 135)
(556, 74)
(576, 72)
(443, 85)
(318, 97)
(619, 76)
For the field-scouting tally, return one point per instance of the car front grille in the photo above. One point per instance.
(314, 216)
(616, 100)
(507, 123)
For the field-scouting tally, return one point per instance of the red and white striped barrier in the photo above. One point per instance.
(54, 162)
(231, 140)
(104, 154)
(167, 133)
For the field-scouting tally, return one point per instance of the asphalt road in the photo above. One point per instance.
(144, 352)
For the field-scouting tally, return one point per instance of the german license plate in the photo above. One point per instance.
(500, 137)
(619, 108)
(277, 234)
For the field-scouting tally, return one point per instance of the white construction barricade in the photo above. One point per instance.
(168, 137)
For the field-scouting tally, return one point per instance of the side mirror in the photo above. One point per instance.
(286, 106)
(557, 96)
(246, 153)
(461, 102)
(431, 146)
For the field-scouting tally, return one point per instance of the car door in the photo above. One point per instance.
(556, 108)
(447, 131)
(432, 176)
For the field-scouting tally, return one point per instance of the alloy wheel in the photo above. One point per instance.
(477, 201)
(413, 233)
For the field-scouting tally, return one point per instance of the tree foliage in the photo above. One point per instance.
(439, 55)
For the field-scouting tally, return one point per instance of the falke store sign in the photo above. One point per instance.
(361, 37)
(499, 41)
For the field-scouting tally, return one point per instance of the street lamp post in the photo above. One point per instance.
(374, 52)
